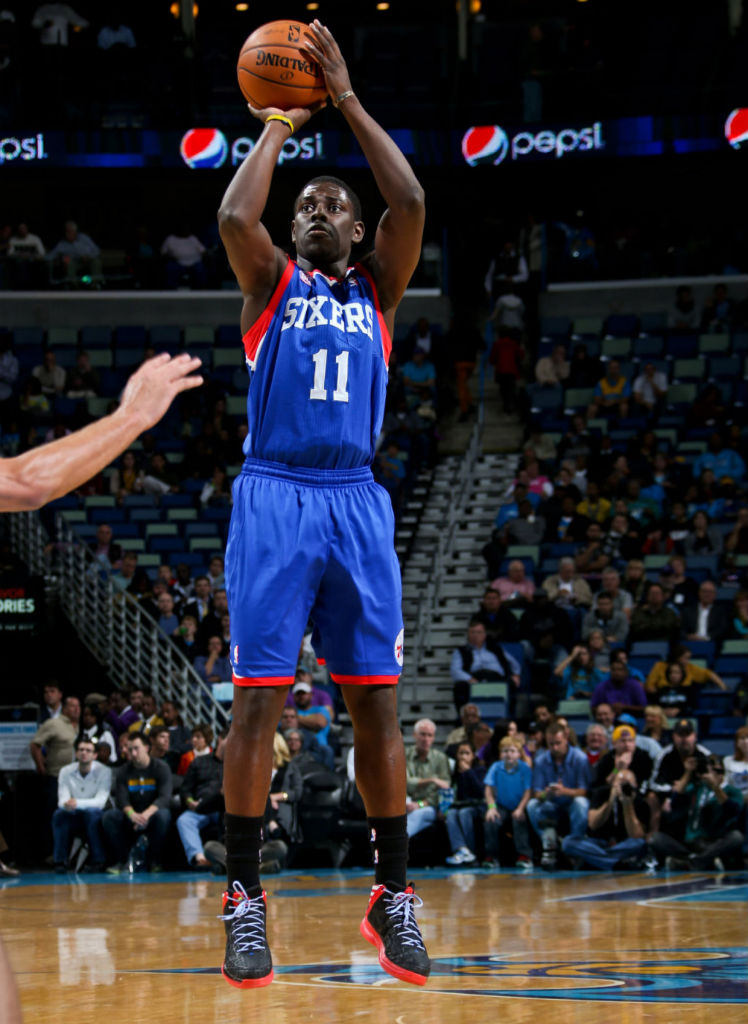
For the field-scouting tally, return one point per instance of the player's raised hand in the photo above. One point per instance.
(298, 116)
(320, 46)
(151, 389)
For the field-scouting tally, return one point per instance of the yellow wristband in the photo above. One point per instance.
(281, 117)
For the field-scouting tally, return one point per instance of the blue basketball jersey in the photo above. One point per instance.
(317, 359)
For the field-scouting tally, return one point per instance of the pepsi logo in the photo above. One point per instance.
(204, 147)
(736, 127)
(486, 144)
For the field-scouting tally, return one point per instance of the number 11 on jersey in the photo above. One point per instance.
(318, 392)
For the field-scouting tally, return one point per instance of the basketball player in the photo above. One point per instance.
(30, 480)
(38, 476)
(310, 530)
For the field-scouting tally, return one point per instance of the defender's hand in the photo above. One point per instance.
(151, 389)
(320, 46)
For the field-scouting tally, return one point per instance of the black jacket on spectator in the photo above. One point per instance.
(544, 624)
(669, 768)
(641, 765)
(614, 829)
(202, 782)
(501, 626)
(717, 622)
(140, 787)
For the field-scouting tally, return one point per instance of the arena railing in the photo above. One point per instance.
(120, 635)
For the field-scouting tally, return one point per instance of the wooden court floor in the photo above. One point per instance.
(590, 947)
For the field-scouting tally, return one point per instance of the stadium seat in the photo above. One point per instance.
(107, 515)
(172, 545)
(228, 357)
(622, 325)
(681, 394)
(648, 347)
(736, 647)
(703, 649)
(236, 405)
(23, 336)
(205, 544)
(682, 346)
(177, 500)
(161, 530)
(588, 325)
(479, 691)
(127, 358)
(136, 544)
(578, 398)
(95, 337)
(229, 334)
(615, 348)
(139, 501)
(714, 343)
(652, 322)
(101, 357)
(99, 501)
(650, 648)
(731, 665)
(181, 515)
(724, 367)
(165, 337)
(198, 335)
(62, 336)
(144, 515)
(130, 336)
(201, 530)
(688, 369)
(724, 725)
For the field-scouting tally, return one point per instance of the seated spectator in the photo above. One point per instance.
(675, 697)
(214, 667)
(694, 675)
(703, 539)
(635, 580)
(553, 370)
(499, 622)
(617, 825)
(185, 637)
(419, 378)
(315, 717)
(612, 393)
(75, 257)
(614, 625)
(593, 506)
(150, 718)
(527, 527)
(202, 800)
(51, 377)
(537, 483)
(679, 588)
(319, 695)
(736, 764)
(725, 463)
(656, 725)
(281, 825)
(683, 315)
(620, 690)
(159, 478)
(507, 794)
(142, 794)
(201, 738)
(92, 728)
(718, 310)
(26, 255)
(596, 742)
(591, 557)
(565, 525)
(544, 630)
(85, 374)
(515, 588)
(211, 624)
(469, 715)
(180, 736)
(650, 390)
(121, 713)
(321, 752)
(506, 357)
(737, 626)
(736, 541)
(477, 662)
(559, 804)
(702, 830)
(611, 584)
(184, 253)
(167, 619)
(706, 620)
(625, 754)
(480, 736)
(510, 508)
(217, 490)
(467, 806)
(605, 717)
(82, 793)
(578, 675)
(670, 769)
(201, 604)
(566, 589)
(653, 620)
(126, 477)
(599, 649)
(123, 577)
(389, 472)
(160, 748)
(217, 578)
(427, 774)
(107, 552)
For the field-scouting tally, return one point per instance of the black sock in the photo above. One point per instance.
(243, 843)
(389, 843)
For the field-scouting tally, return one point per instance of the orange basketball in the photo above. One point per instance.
(273, 73)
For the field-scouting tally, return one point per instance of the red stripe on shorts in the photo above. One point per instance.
(263, 680)
(366, 680)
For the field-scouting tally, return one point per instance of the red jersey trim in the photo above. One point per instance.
(386, 339)
(255, 336)
(365, 680)
(262, 680)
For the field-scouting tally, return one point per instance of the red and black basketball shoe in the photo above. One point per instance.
(390, 924)
(247, 962)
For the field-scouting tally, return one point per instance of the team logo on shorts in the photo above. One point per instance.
(236, 654)
(399, 647)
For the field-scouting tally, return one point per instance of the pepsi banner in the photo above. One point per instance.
(206, 148)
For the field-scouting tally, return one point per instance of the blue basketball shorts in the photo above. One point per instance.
(312, 542)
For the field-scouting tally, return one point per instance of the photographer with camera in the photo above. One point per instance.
(617, 823)
(670, 776)
(702, 830)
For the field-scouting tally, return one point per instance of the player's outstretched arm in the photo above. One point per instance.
(256, 262)
(31, 480)
(397, 246)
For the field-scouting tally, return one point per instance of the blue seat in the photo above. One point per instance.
(177, 501)
(217, 514)
(28, 336)
(683, 346)
(165, 337)
(724, 725)
(649, 648)
(715, 702)
(192, 486)
(106, 515)
(130, 336)
(144, 515)
(159, 545)
(195, 559)
(648, 347)
(727, 367)
(139, 501)
(126, 358)
(730, 665)
(228, 334)
(622, 325)
(124, 531)
(544, 398)
(66, 501)
(95, 337)
(703, 649)
(201, 530)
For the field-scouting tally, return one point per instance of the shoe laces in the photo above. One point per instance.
(247, 921)
(400, 907)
